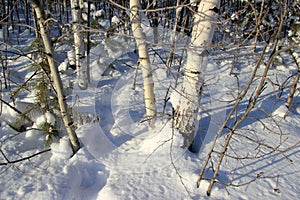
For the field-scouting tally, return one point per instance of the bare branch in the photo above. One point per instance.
(21, 159)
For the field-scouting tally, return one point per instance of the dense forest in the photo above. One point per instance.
(196, 85)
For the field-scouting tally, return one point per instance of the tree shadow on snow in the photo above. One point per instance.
(252, 168)
(103, 104)
(265, 107)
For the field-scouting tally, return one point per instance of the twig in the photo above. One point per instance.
(8, 162)
(18, 111)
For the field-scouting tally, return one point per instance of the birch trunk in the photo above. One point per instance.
(78, 44)
(140, 39)
(197, 56)
(55, 76)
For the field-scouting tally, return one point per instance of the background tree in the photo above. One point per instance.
(140, 39)
(153, 17)
(77, 6)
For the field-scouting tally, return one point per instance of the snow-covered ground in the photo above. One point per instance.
(121, 159)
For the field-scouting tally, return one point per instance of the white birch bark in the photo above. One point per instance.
(55, 76)
(76, 6)
(197, 56)
(140, 39)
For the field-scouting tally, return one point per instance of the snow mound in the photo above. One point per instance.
(281, 111)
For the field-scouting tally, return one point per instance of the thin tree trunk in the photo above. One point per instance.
(66, 7)
(295, 82)
(173, 39)
(153, 17)
(56, 77)
(4, 39)
(79, 45)
(88, 45)
(186, 112)
(27, 14)
(140, 39)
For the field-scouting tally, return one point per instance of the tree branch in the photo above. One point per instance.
(21, 159)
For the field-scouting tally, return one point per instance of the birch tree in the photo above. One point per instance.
(153, 19)
(37, 6)
(173, 38)
(148, 83)
(76, 6)
(197, 56)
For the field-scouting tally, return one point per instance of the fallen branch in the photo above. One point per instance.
(8, 162)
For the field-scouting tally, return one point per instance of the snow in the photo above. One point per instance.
(40, 121)
(99, 14)
(115, 20)
(175, 97)
(1, 34)
(84, 16)
(281, 111)
(234, 16)
(120, 159)
(50, 119)
(71, 57)
(61, 150)
(93, 7)
(63, 66)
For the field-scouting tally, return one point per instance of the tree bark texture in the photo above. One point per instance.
(197, 56)
(78, 44)
(146, 69)
(55, 76)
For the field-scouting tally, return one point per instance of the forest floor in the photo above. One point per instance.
(121, 159)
